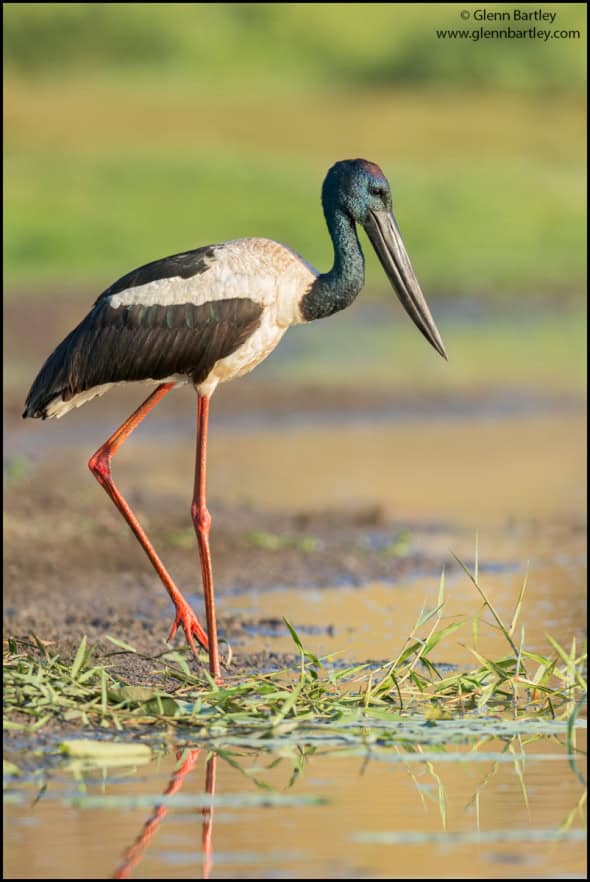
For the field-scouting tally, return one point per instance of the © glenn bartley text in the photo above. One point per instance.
(512, 15)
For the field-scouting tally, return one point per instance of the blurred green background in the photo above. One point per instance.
(133, 131)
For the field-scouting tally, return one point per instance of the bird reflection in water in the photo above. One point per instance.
(135, 852)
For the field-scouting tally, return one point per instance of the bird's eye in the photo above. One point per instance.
(375, 190)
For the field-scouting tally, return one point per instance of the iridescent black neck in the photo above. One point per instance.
(337, 289)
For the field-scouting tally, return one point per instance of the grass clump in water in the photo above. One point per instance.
(42, 688)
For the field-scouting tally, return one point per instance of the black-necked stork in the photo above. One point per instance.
(207, 316)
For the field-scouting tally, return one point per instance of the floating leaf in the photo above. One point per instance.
(104, 750)
(164, 706)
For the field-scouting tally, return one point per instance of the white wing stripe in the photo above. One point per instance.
(259, 269)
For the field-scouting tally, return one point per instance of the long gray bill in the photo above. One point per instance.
(386, 239)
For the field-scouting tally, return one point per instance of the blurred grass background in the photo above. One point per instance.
(133, 131)
(136, 130)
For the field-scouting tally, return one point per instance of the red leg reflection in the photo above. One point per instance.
(135, 853)
(208, 818)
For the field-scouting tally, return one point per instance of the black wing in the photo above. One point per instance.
(137, 342)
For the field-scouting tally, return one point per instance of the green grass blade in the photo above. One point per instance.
(79, 659)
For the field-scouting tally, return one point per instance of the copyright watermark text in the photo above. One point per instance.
(518, 17)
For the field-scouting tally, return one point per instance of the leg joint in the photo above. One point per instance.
(100, 464)
(201, 518)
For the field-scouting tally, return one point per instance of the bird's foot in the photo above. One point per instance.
(191, 627)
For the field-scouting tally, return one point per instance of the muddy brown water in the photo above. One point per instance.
(420, 801)
(340, 521)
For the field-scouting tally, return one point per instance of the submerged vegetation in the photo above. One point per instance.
(358, 702)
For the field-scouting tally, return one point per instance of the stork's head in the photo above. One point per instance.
(359, 189)
(356, 186)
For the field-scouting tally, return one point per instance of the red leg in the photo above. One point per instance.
(100, 466)
(202, 522)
